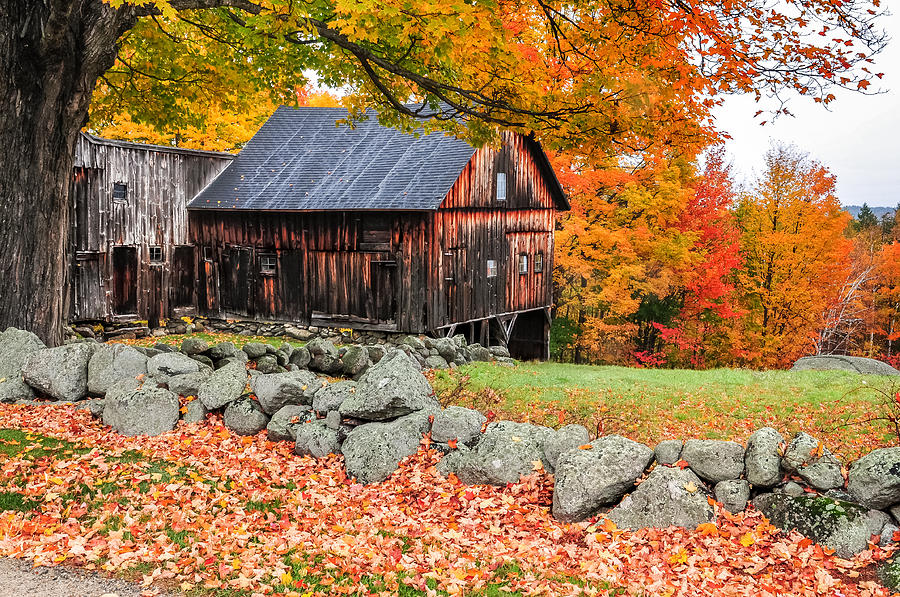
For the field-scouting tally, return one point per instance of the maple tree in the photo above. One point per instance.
(795, 256)
(586, 76)
(643, 259)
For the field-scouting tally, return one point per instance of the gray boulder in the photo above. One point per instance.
(244, 417)
(140, 411)
(817, 466)
(415, 343)
(300, 357)
(451, 461)
(15, 347)
(169, 364)
(222, 350)
(96, 406)
(188, 384)
(392, 388)
(669, 497)
(333, 420)
(668, 451)
(501, 352)
(733, 494)
(477, 352)
(376, 352)
(323, 356)
(254, 350)
(283, 425)
(791, 488)
(192, 346)
(874, 479)
(194, 412)
(562, 440)
(372, 452)
(505, 452)
(114, 364)
(436, 362)
(446, 348)
(330, 397)
(833, 362)
(457, 423)
(224, 386)
(587, 480)
(276, 390)
(842, 526)
(203, 360)
(60, 372)
(354, 361)
(762, 460)
(316, 439)
(268, 364)
(714, 460)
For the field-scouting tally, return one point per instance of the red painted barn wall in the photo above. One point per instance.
(472, 226)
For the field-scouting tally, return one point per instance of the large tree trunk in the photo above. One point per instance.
(51, 54)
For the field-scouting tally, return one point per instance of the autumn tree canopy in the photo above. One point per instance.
(589, 77)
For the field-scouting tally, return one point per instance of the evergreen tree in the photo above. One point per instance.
(865, 219)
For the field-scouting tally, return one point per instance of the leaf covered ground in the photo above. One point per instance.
(211, 513)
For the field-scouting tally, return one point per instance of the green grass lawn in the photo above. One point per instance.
(655, 404)
(650, 405)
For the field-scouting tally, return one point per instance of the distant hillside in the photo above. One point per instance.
(878, 211)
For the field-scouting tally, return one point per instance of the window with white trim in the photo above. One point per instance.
(523, 264)
(539, 263)
(268, 264)
(501, 186)
(491, 268)
(156, 254)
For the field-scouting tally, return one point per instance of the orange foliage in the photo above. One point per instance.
(201, 509)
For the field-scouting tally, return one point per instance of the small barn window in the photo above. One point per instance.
(156, 254)
(268, 264)
(523, 263)
(539, 263)
(120, 192)
(491, 268)
(207, 253)
(501, 186)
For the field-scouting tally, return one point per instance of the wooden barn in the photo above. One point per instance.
(370, 228)
(132, 259)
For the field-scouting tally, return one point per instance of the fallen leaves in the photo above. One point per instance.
(200, 507)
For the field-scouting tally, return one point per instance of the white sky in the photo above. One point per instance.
(858, 139)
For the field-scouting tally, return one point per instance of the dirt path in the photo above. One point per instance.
(19, 579)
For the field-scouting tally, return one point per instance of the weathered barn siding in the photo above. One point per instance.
(472, 226)
(359, 269)
(111, 236)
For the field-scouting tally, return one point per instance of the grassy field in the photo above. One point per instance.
(650, 405)
(655, 404)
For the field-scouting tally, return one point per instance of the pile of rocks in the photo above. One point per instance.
(379, 414)
(444, 352)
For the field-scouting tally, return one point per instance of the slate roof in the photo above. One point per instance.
(299, 160)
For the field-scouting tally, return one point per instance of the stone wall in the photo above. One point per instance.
(373, 405)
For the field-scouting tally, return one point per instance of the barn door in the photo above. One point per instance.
(236, 278)
(384, 289)
(125, 267)
(183, 278)
(88, 303)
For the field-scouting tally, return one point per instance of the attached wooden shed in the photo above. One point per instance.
(132, 260)
(370, 228)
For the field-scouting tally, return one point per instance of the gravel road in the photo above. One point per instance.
(19, 579)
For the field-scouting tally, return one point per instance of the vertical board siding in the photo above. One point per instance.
(160, 182)
(353, 268)
(472, 226)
